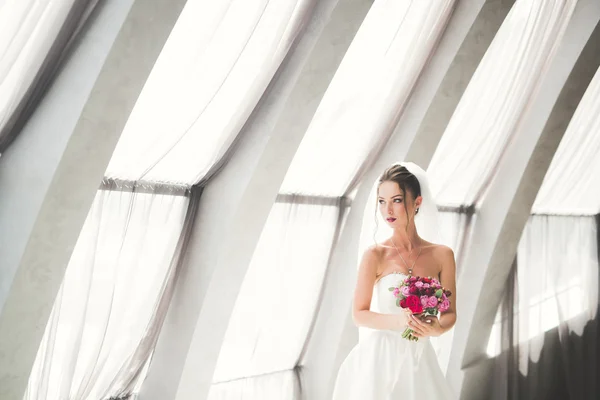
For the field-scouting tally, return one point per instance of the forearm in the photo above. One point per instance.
(447, 321)
(373, 320)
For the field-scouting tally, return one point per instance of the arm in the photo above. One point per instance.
(432, 326)
(361, 314)
(448, 281)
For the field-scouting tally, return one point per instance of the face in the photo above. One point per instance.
(391, 204)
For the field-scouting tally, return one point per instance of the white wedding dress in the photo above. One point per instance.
(385, 366)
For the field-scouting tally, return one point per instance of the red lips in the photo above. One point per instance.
(390, 219)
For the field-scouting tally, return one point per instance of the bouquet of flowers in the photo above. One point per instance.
(422, 296)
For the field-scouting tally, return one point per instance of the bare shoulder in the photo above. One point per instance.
(439, 251)
(371, 259)
(443, 252)
(445, 257)
(373, 253)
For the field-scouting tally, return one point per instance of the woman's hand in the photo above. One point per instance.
(425, 326)
(405, 319)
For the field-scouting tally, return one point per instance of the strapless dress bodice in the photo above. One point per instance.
(383, 300)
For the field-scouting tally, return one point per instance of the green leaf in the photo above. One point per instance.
(439, 293)
(391, 289)
(397, 302)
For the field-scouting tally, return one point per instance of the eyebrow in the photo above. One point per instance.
(398, 195)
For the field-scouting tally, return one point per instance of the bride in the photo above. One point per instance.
(385, 366)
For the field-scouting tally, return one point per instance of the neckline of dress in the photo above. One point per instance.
(390, 274)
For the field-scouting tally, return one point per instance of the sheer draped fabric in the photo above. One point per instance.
(572, 183)
(28, 29)
(111, 287)
(549, 325)
(213, 70)
(35, 37)
(280, 293)
(279, 385)
(216, 65)
(367, 95)
(496, 99)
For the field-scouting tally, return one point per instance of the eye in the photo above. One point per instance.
(381, 201)
(398, 200)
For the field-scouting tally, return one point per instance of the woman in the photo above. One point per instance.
(385, 366)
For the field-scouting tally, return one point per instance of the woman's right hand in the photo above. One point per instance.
(403, 319)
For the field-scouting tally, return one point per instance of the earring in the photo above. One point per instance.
(416, 212)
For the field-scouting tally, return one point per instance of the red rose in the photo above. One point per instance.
(413, 290)
(414, 304)
(403, 303)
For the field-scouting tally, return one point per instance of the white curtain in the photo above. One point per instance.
(280, 385)
(570, 188)
(496, 99)
(28, 29)
(367, 95)
(214, 68)
(454, 230)
(558, 279)
(454, 233)
(555, 315)
(216, 65)
(572, 184)
(108, 296)
(279, 295)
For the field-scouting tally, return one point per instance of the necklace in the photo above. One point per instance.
(410, 269)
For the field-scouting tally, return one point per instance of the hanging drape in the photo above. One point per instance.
(215, 67)
(572, 183)
(549, 324)
(213, 70)
(496, 99)
(279, 385)
(455, 233)
(273, 311)
(111, 291)
(367, 95)
(35, 38)
(544, 339)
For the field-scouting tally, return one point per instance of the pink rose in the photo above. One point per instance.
(419, 284)
(432, 302)
(405, 290)
(426, 285)
(444, 305)
(424, 300)
(396, 291)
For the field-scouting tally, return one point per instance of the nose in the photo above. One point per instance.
(389, 209)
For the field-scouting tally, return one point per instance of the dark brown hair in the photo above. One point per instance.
(405, 180)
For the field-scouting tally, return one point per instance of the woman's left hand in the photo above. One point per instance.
(425, 326)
